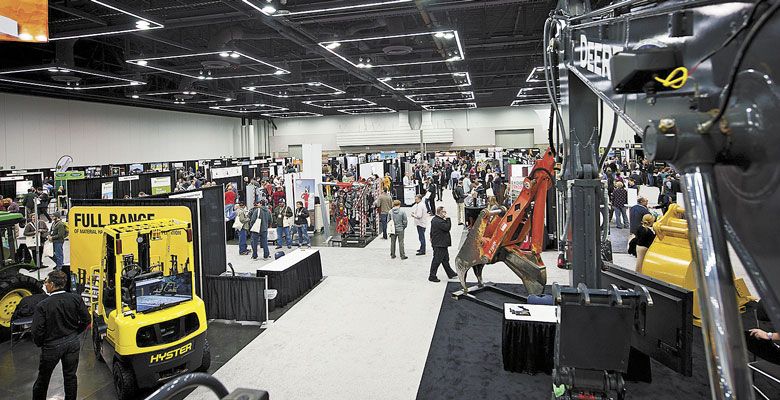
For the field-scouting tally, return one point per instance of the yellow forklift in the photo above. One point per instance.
(669, 259)
(149, 326)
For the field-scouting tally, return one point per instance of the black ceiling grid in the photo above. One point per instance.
(204, 55)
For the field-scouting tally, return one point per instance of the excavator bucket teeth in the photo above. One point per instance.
(528, 266)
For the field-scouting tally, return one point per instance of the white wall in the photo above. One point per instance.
(472, 128)
(36, 131)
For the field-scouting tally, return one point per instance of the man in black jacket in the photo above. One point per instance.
(440, 241)
(431, 200)
(57, 323)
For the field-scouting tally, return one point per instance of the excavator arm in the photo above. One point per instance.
(514, 235)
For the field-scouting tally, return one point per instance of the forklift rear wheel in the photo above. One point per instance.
(124, 381)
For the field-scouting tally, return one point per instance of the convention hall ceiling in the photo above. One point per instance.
(252, 58)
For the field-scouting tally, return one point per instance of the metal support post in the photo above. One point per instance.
(721, 324)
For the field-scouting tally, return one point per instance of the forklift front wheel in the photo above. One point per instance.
(204, 366)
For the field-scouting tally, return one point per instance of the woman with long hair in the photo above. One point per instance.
(644, 238)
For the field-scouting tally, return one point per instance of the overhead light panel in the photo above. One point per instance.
(271, 11)
(340, 103)
(408, 82)
(155, 63)
(440, 97)
(367, 110)
(8, 75)
(249, 108)
(449, 106)
(142, 23)
(293, 114)
(455, 55)
(293, 90)
(531, 77)
(530, 102)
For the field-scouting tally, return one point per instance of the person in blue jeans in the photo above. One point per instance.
(420, 216)
(243, 217)
(283, 217)
(57, 235)
(260, 211)
(302, 224)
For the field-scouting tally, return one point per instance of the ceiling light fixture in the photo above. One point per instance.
(459, 53)
(340, 103)
(143, 23)
(531, 79)
(437, 97)
(224, 54)
(248, 108)
(388, 81)
(41, 38)
(321, 10)
(332, 45)
(277, 90)
(149, 63)
(135, 96)
(124, 82)
(25, 36)
(367, 110)
(449, 106)
(294, 114)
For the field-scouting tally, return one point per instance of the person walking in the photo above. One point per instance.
(420, 222)
(242, 216)
(28, 200)
(619, 203)
(431, 199)
(260, 212)
(441, 184)
(43, 204)
(30, 232)
(399, 221)
(57, 322)
(230, 201)
(636, 214)
(385, 205)
(302, 224)
(460, 197)
(440, 241)
(57, 235)
(283, 217)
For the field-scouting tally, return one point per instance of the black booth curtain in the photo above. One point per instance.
(237, 298)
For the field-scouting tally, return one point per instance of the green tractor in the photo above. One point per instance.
(14, 286)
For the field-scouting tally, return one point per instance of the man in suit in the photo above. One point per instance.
(440, 241)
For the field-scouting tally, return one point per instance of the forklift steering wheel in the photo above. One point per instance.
(131, 271)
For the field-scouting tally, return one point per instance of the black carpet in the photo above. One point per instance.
(465, 361)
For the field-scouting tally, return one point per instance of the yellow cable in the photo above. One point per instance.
(673, 80)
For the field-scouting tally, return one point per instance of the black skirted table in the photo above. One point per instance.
(292, 275)
(528, 339)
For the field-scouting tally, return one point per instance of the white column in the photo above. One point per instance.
(250, 129)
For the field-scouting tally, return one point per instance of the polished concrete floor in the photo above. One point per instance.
(19, 365)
